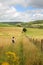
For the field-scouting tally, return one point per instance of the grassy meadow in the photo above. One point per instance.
(35, 32)
(25, 51)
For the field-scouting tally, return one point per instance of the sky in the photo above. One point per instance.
(21, 10)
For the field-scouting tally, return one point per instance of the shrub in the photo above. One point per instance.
(24, 29)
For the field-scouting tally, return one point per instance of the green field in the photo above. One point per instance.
(31, 24)
(23, 51)
(35, 32)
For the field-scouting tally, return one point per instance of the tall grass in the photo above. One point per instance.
(21, 54)
(26, 51)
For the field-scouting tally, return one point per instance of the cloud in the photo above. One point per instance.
(37, 3)
(34, 3)
(9, 13)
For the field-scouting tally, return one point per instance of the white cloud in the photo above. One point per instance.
(34, 3)
(0, 4)
(9, 13)
(11, 10)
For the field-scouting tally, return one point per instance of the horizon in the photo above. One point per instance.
(21, 21)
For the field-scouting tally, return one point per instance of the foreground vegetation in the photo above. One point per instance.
(25, 50)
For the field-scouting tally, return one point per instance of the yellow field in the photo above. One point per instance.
(7, 33)
(28, 53)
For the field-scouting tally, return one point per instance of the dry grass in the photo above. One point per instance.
(27, 52)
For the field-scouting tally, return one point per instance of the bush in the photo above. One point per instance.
(24, 29)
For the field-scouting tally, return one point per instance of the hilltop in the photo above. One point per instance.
(32, 24)
(36, 24)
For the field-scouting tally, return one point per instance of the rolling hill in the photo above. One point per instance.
(32, 24)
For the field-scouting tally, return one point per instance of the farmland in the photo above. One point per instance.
(35, 32)
(26, 52)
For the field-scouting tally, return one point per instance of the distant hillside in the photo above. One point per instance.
(36, 24)
(16, 24)
(9, 24)
(33, 24)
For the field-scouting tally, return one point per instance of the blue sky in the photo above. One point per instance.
(21, 10)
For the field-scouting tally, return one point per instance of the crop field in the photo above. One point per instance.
(27, 49)
(35, 32)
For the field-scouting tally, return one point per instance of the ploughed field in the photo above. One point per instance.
(27, 49)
